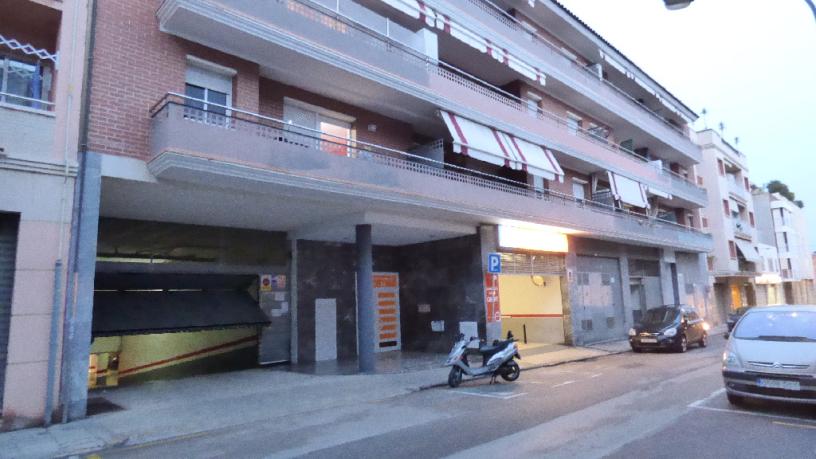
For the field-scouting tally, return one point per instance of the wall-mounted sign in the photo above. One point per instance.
(513, 237)
(492, 307)
(494, 263)
(266, 283)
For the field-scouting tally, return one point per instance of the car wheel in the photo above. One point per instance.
(735, 399)
(682, 346)
(637, 349)
(455, 377)
(704, 340)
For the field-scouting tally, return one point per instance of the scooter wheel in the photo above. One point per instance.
(511, 371)
(455, 377)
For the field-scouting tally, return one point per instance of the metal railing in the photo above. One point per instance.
(511, 22)
(22, 101)
(277, 130)
(477, 85)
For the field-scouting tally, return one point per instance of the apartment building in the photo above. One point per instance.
(734, 263)
(42, 59)
(783, 222)
(319, 180)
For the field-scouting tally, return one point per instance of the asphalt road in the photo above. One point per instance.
(629, 405)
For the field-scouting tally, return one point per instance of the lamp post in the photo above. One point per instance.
(680, 4)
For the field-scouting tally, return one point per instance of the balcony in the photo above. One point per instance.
(26, 132)
(742, 229)
(322, 42)
(579, 78)
(245, 149)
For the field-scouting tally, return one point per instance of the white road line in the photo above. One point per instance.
(596, 375)
(801, 426)
(749, 413)
(562, 384)
(498, 395)
(703, 400)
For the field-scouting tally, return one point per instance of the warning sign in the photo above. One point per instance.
(493, 309)
(266, 282)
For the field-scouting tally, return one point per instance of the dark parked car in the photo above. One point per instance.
(669, 327)
(734, 317)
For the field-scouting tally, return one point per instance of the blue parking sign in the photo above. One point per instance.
(494, 263)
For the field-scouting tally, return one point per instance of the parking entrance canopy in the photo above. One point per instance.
(139, 312)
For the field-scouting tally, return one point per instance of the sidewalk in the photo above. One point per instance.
(163, 410)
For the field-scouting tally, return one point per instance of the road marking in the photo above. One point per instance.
(703, 400)
(801, 426)
(596, 375)
(563, 384)
(747, 413)
(498, 395)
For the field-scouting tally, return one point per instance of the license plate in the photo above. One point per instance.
(778, 384)
(648, 340)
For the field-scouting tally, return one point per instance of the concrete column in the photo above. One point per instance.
(366, 320)
(623, 261)
(79, 298)
(489, 239)
(572, 312)
(293, 301)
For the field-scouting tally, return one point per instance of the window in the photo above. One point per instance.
(721, 167)
(747, 184)
(751, 218)
(333, 129)
(705, 222)
(732, 249)
(573, 123)
(710, 261)
(24, 78)
(211, 86)
(533, 102)
(785, 238)
(726, 208)
(578, 189)
(690, 219)
(700, 180)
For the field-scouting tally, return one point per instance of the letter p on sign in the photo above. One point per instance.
(493, 263)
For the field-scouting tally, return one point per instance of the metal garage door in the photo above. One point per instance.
(8, 249)
(598, 305)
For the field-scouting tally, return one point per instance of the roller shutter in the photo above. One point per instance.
(8, 250)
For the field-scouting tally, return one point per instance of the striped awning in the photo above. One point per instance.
(628, 191)
(500, 148)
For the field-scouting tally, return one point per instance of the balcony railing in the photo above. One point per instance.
(741, 228)
(363, 20)
(176, 108)
(339, 40)
(517, 27)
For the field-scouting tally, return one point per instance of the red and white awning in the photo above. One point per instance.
(628, 191)
(500, 148)
(418, 9)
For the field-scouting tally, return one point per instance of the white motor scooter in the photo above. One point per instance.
(497, 360)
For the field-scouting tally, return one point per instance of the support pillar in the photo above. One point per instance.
(79, 298)
(366, 320)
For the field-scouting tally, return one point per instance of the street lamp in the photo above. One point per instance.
(677, 4)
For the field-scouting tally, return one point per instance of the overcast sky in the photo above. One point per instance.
(750, 63)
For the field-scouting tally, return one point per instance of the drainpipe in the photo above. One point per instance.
(70, 295)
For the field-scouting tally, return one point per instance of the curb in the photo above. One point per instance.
(532, 367)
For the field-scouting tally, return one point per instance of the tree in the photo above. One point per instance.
(776, 186)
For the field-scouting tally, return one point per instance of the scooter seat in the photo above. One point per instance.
(492, 349)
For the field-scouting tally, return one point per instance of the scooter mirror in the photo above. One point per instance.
(509, 334)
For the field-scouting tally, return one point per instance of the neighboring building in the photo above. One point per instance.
(42, 60)
(730, 218)
(785, 222)
(298, 180)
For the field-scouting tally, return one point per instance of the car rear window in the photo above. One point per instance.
(778, 326)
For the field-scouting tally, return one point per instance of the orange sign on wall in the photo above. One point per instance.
(386, 291)
(493, 309)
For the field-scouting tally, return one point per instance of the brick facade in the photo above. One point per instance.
(134, 65)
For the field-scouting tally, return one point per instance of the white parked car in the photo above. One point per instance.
(771, 355)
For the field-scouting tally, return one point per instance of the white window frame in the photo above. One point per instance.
(573, 117)
(532, 101)
(211, 77)
(323, 114)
